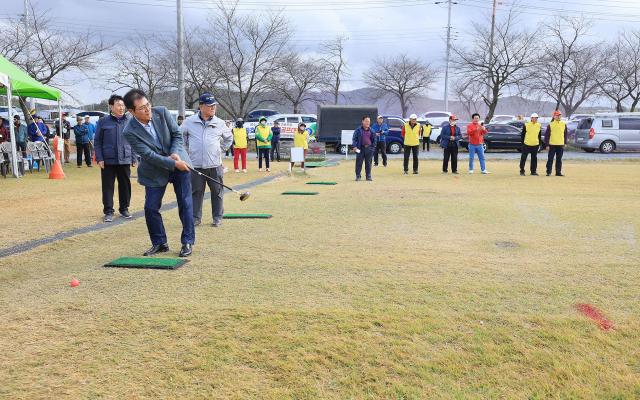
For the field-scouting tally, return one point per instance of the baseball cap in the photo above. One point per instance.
(413, 116)
(207, 99)
(380, 116)
(557, 112)
(534, 115)
(302, 124)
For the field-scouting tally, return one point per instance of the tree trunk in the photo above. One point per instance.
(619, 106)
(403, 106)
(634, 104)
(25, 110)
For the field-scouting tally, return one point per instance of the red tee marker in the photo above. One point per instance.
(75, 282)
(595, 315)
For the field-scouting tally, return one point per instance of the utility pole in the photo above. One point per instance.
(27, 49)
(493, 31)
(446, 71)
(181, 90)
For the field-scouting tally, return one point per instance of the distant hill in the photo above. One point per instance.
(388, 105)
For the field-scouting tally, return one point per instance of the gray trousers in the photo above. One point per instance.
(198, 187)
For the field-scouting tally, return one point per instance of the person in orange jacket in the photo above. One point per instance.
(476, 132)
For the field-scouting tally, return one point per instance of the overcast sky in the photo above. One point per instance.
(376, 28)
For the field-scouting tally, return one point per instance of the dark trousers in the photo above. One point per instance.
(275, 149)
(181, 181)
(381, 147)
(408, 150)
(109, 174)
(83, 148)
(426, 142)
(450, 151)
(198, 186)
(526, 150)
(263, 153)
(365, 156)
(557, 152)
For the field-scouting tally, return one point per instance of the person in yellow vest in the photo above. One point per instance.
(531, 137)
(301, 140)
(263, 142)
(426, 135)
(554, 139)
(411, 134)
(240, 145)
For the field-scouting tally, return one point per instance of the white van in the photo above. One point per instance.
(608, 132)
(288, 124)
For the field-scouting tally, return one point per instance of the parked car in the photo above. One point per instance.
(394, 141)
(578, 117)
(435, 134)
(436, 118)
(4, 112)
(254, 115)
(288, 124)
(499, 136)
(502, 118)
(608, 132)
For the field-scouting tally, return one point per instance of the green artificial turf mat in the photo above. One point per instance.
(147, 262)
(301, 193)
(241, 216)
(322, 183)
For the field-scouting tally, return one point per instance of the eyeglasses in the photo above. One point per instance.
(144, 107)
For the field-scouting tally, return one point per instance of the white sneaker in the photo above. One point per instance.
(471, 171)
(259, 169)
(486, 172)
(237, 171)
(244, 170)
(225, 170)
(268, 170)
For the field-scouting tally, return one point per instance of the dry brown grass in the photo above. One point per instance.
(390, 289)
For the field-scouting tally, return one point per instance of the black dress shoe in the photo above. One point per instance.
(559, 174)
(534, 174)
(160, 248)
(186, 250)
(126, 215)
(521, 173)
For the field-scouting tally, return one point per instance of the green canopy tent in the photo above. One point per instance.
(16, 82)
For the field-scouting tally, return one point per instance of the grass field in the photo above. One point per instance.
(428, 286)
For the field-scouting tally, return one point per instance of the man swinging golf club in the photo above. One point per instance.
(155, 136)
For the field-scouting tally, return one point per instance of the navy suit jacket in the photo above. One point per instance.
(155, 165)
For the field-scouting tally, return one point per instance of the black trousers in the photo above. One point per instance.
(109, 174)
(83, 148)
(408, 150)
(450, 152)
(365, 156)
(426, 142)
(557, 152)
(526, 150)
(381, 147)
(263, 153)
(275, 149)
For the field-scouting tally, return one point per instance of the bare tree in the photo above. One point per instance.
(401, 76)
(142, 65)
(621, 77)
(570, 66)
(514, 54)
(53, 53)
(299, 81)
(335, 64)
(469, 93)
(246, 54)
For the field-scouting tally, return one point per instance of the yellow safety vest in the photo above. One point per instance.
(411, 135)
(264, 131)
(426, 131)
(557, 133)
(301, 139)
(532, 134)
(240, 138)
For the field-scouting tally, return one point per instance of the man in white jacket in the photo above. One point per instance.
(206, 138)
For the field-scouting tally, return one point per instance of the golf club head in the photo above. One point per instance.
(244, 196)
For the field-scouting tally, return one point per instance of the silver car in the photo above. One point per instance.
(607, 132)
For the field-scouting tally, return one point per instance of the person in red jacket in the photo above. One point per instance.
(476, 132)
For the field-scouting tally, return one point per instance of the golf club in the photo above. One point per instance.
(243, 195)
